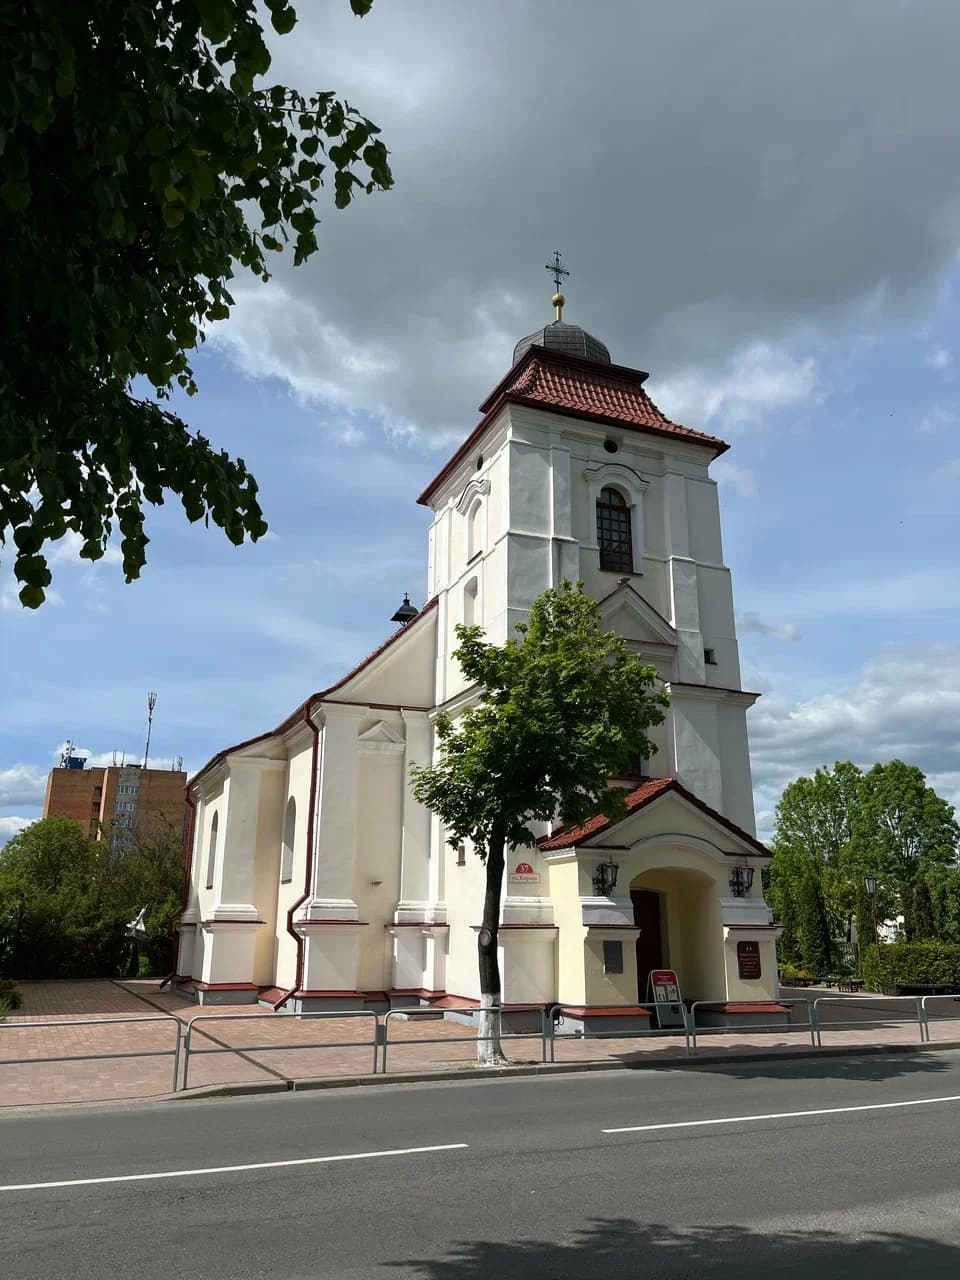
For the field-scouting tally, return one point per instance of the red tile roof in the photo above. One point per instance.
(648, 791)
(580, 388)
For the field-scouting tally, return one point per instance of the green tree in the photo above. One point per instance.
(65, 901)
(816, 948)
(560, 710)
(51, 895)
(900, 826)
(812, 833)
(813, 816)
(919, 918)
(143, 163)
(864, 917)
(944, 885)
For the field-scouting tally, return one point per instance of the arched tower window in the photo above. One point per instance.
(474, 535)
(212, 851)
(289, 831)
(614, 533)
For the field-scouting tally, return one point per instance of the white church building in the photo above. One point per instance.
(315, 879)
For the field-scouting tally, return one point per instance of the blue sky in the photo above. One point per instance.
(777, 245)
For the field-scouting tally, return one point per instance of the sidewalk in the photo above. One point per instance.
(252, 1027)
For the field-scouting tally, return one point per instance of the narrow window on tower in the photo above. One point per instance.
(474, 531)
(614, 532)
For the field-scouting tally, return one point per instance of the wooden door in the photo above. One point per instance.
(646, 916)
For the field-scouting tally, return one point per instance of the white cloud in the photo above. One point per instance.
(939, 418)
(10, 826)
(904, 704)
(754, 383)
(940, 359)
(732, 477)
(66, 550)
(753, 624)
(22, 784)
(412, 305)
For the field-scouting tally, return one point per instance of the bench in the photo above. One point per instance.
(850, 984)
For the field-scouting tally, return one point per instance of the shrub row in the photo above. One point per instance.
(912, 964)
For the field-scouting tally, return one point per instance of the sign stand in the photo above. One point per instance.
(663, 992)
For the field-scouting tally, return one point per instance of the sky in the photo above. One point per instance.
(759, 203)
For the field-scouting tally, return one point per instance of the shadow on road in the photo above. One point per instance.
(867, 1068)
(623, 1248)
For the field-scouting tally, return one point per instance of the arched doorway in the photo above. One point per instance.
(677, 911)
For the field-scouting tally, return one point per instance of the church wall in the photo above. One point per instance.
(404, 676)
(376, 873)
(735, 768)
(298, 786)
(267, 870)
(697, 747)
(464, 896)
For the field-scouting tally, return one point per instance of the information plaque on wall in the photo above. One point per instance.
(748, 960)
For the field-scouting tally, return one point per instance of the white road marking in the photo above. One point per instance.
(779, 1115)
(230, 1168)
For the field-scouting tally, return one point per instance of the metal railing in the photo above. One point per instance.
(876, 1011)
(249, 1050)
(498, 1034)
(551, 1036)
(872, 1011)
(25, 1025)
(809, 1025)
(943, 1017)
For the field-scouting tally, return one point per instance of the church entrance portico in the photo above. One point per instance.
(677, 912)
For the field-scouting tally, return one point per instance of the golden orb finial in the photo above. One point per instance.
(558, 301)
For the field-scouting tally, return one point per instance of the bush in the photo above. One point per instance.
(912, 964)
(10, 997)
(791, 974)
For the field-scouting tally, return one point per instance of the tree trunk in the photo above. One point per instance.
(489, 1051)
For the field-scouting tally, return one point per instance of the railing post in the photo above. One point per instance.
(686, 1031)
(186, 1053)
(176, 1058)
(814, 1021)
(386, 1040)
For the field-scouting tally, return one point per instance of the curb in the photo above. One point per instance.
(546, 1068)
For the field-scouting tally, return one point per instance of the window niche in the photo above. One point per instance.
(212, 852)
(289, 834)
(616, 504)
(470, 596)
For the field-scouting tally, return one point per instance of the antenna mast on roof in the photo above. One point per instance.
(66, 754)
(151, 703)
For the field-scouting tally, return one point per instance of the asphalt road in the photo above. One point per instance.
(541, 1188)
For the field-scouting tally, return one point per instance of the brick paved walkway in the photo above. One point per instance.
(416, 1045)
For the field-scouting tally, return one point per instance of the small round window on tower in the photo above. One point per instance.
(479, 461)
(611, 446)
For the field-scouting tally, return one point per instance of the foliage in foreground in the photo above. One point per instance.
(143, 164)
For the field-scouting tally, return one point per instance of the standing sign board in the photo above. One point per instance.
(663, 991)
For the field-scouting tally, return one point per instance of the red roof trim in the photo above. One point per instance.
(577, 388)
(648, 791)
(298, 714)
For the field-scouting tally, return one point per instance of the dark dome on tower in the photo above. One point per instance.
(569, 339)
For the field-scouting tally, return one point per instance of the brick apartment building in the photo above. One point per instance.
(108, 802)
